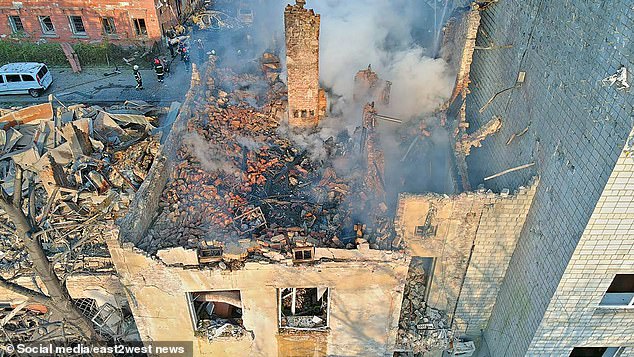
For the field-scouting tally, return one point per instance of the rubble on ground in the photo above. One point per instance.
(219, 328)
(421, 327)
(244, 184)
(79, 167)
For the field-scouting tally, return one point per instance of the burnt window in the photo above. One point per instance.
(107, 24)
(16, 24)
(304, 308)
(312, 113)
(209, 254)
(216, 314)
(47, 25)
(27, 78)
(139, 27)
(596, 352)
(296, 113)
(77, 25)
(304, 113)
(303, 254)
(620, 294)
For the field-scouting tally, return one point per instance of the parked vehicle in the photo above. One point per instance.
(25, 77)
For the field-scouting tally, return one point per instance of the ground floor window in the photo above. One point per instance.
(304, 308)
(139, 27)
(16, 24)
(216, 314)
(107, 24)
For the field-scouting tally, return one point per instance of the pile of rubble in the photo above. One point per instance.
(220, 328)
(77, 168)
(19, 321)
(421, 328)
(259, 186)
(241, 184)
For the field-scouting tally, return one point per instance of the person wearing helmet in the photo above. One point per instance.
(137, 77)
(185, 54)
(158, 68)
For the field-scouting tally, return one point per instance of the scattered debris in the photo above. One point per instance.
(467, 141)
(514, 135)
(521, 167)
(242, 189)
(421, 328)
(81, 164)
(618, 79)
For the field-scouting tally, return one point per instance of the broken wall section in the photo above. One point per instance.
(365, 291)
(459, 40)
(143, 207)
(471, 236)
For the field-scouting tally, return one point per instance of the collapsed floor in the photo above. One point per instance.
(73, 170)
(243, 181)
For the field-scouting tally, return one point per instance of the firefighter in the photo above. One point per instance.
(159, 69)
(185, 55)
(137, 77)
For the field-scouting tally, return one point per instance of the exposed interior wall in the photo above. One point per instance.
(576, 131)
(498, 231)
(459, 39)
(366, 290)
(475, 235)
(143, 207)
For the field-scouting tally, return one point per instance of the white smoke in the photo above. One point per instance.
(212, 156)
(378, 32)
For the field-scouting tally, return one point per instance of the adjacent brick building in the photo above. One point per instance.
(574, 255)
(302, 61)
(122, 22)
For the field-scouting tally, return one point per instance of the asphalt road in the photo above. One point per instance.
(91, 86)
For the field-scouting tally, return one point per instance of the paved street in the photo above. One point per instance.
(91, 86)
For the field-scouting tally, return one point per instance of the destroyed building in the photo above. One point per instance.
(544, 267)
(306, 100)
(369, 87)
(263, 254)
(240, 240)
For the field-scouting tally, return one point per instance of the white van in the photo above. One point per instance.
(25, 77)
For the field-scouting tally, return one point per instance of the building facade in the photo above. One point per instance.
(122, 22)
(568, 288)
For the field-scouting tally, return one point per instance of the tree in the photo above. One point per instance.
(57, 300)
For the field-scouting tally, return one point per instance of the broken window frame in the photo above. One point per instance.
(44, 25)
(620, 294)
(77, 26)
(192, 309)
(140, 27)
(16, 24)
(108, 26)
(280, 296)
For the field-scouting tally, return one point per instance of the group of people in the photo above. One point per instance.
(161, 67)
(177, 46)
